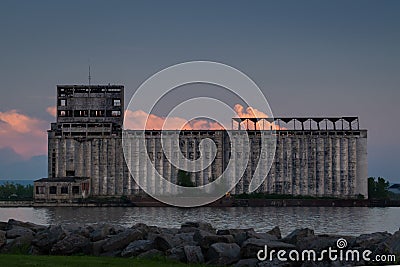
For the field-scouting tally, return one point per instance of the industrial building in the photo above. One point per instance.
(324, 157)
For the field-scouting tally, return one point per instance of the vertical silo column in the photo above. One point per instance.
(128, 149)
(328, 167)
(88, 161)
(304, 164)
(311, 165)
(362, 165)
(103, 164)
(352, 167)
(289, 163)
(320, 170)
(344, 161)
(336, 165)
(95, 166)
(296, 165)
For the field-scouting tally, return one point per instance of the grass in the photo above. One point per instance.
(64, 261)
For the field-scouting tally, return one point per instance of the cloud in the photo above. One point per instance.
(52, 111)
(23, 134)
(136, 120)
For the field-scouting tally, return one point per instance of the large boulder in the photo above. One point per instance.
(240, 235)
(18, 245)
(121, 240)
(44, 240)
(164, 242)
(205, 226)
(3, 238)
(101, 232)
(206, 239)
(176, 254)
(298, 235)
(137, 247)
(152, 253)
(71, 244)
(276, 231)
(251, 246)
(368, 241)
(193, 254)
(223, 254)
(34, 227)
(17, 231)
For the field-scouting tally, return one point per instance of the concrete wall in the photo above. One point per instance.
(313, 163)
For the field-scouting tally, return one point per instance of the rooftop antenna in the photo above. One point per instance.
(90, 77)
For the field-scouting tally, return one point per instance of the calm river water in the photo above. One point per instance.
(331, 220)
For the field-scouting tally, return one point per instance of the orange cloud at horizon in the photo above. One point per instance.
(138, 119)
(24, 134)
(52, 111)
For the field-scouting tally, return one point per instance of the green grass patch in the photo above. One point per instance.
(64, 261)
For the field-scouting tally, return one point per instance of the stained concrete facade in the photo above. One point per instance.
(310, 161)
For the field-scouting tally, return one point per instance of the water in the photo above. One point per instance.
(330, 220)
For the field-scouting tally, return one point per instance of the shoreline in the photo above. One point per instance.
(225, 202)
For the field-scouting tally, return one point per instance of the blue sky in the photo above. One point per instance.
(310, 58)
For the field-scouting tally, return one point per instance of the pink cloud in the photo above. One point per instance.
(24, 134)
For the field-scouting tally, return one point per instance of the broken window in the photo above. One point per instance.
(115, 113)
(64, 190)
(40, 189)
(116, 102)
(53, 190)
(70, 173)
(75, 190)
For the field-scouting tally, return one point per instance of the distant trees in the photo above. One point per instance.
(12, 191)
(377, 189)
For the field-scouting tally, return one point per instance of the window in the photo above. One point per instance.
(75, 190)
(117, 102)
(53, 190)
(40, 190)
(70, 173)
(97, 113)
(115, 113)
(62, 113)
(81, 113)
(63, 102)
(64, 190)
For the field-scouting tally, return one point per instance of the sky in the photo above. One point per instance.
(310, 58)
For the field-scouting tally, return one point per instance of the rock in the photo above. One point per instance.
(320, 242)
(184, 239)
(199, 225)
(3, 226)
(137, 247)
(163, 242)
(240, 235)
(205, 239)
(392, 244)
(267, 236)
(19, 245)
(3, 238)
(34, 227)
(44, 240)
(297, 235)
(247, 263)
(17, 231)
(152, 253)
(97, 247)
(193, 254)
(275, 263)
(121, 240)
(71, 244)
(251, 246)
(276, 231)
(223, 254)
(102, 232)
(176, 254)
(367, 241)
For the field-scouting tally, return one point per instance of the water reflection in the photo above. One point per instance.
(333, 220)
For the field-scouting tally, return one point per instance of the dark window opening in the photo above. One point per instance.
(40, 190)
(70, 173)
(81, 113)
(115, 113)
(53, 190)
(64, 190)
(75, 190)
